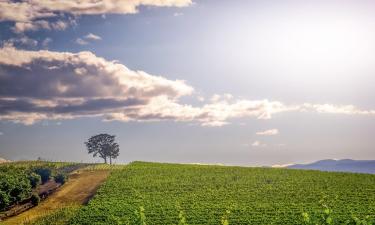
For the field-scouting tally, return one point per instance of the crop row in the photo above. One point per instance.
(170, 193)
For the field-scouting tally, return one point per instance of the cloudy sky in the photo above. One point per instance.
(197, 81)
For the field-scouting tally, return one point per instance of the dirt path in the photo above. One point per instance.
(80, 187)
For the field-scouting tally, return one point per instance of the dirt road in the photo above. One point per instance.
(80, 187)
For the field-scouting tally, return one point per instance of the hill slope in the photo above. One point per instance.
(156, 193)
(344, 165)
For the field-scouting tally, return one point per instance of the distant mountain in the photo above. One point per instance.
(344, 165)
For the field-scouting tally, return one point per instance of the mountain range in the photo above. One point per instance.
(343, 165)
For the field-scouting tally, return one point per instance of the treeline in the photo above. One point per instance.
(18, 184)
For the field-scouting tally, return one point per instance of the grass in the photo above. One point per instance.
(102, 166)
(154, 193)
(58, 217)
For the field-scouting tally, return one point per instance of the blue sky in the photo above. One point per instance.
(234, 82)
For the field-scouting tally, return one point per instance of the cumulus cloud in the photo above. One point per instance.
(210, 114)
(20, 27)
(47, 85)
(268, 132)
(38, 85)
(31, 14)
(21, 41)
(27, 10)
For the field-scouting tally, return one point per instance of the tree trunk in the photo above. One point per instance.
(110, 160)
(105, 160)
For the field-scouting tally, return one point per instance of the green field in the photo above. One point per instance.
(155, 193)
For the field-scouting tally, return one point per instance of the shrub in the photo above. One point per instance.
(35, 179)
(4, 200)
(44, 173)
(60, 178)
(35, 199)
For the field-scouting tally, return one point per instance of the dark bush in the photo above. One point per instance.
(44, 173)
(4, 200)
(35, 199)
(34, 179)
(60, 178)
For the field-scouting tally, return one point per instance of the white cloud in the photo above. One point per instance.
(92, 36)
(335, 109)
(258, 144)
(80, 41)
(178, 14)
(47, 85)
(20, 27)
(38, 85)
(22, 40)
(255, 143)
(1, 133)
(89, 37)
(28, 10)
(211, 114)
(31, 14)
(268, 132)
(200, 98)
(215, 98)
(282, 165)
(46, 42)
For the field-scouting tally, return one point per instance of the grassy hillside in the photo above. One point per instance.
(155, 193)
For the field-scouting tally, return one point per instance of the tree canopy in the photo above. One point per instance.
(104, 146)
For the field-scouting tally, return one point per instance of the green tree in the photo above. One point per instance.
(104, 146)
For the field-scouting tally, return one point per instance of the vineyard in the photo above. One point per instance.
(155, 193)
(19, 181)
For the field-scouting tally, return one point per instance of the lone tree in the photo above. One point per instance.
(104, 146)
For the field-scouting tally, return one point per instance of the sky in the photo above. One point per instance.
(254, 83)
